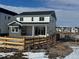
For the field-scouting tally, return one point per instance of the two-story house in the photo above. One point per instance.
(33, 23)
(6, 17)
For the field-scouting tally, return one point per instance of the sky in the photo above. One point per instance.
(67, 11)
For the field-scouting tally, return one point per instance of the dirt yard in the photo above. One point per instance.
(60, 49)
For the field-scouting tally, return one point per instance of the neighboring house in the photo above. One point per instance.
(33, 23)
(68, 29)
(64, 29)
(6, 16)
(75, 30)
(59, 29)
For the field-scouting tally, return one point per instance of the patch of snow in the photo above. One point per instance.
(2, 54)
(36, 55)
(74, 54)
(30, 55)
(41, 55)
(74, 47)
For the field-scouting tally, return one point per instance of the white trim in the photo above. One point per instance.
(14, 31)
(13, 22)
(33, 30)
(46, 30)
(13, 26)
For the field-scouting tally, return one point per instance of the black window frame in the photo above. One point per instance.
(32, 18)
(15, 29)
(9, 17)
(21, 19)
(41, 19)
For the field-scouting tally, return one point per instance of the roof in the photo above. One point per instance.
(7, 11)
(52, 13)
(13, 22)
(36, 12)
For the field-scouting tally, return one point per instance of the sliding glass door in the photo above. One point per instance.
(39, 30)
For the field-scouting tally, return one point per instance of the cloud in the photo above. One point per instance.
(54, 4)
(73, 2)
(63, 4)
(67, 18)
(23, 9)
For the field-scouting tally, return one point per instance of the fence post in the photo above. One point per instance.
(24, 43)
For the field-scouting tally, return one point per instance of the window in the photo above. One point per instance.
(41, 19)
(21, 19)
(15, 29)
(9, 17)
(39, 30)
(32, 18)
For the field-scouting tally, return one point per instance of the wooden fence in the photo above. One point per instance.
(12, 43)
(22, 43)
(39, 41)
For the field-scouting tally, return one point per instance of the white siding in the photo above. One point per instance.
(18, 18)
(27, 19)
(47, 19)
(35, 19)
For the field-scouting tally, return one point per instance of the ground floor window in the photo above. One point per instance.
(39, 30)
(15, 29)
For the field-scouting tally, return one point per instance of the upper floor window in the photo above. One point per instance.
(41, 19)
(32, 18)
(21, 19)
(9, 17)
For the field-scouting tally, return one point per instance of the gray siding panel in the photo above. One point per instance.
(14, 34)
(4, 22)
(52, 26)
